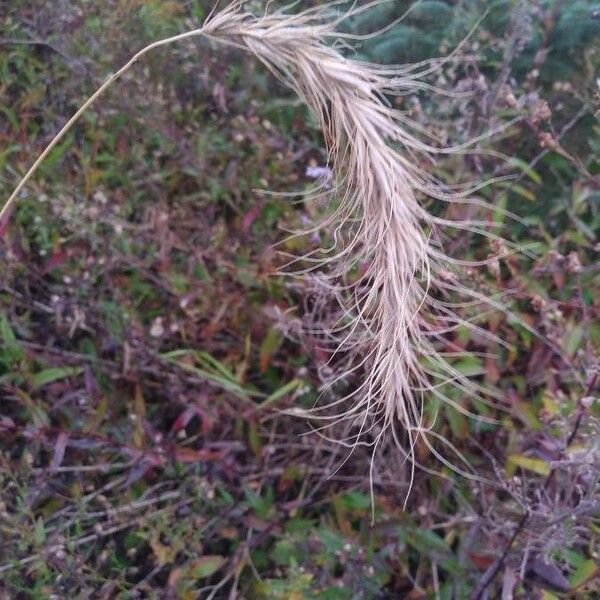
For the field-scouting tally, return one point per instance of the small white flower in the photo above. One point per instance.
(157, 330)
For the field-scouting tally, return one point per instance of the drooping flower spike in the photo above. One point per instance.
(394, 312)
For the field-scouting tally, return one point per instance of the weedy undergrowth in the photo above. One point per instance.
(399, 291)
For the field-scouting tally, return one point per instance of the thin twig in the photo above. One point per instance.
(493, 570)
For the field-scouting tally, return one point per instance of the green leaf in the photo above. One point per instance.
(38, 414)
(426, 541)
(11, 116)
(47, 376)
(56, 155)
(12, 348)
(522, 191)
(355, 501)
(573, 558)
(227, 498)
(573, 341)
(254, 438)
(210, 362)
(537, 465)
(261, 505)
(470, 366)
(220, 375)
(289, 387)
(198, 11)
(39, 533)
(333, 593)
(332, 542)
(206, 566)
(284, 553)
(299, 525)
(458, 422)
(269, 346)
(525, 168)
(526, 413)
(584, 573)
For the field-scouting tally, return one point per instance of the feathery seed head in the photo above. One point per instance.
(396, 311)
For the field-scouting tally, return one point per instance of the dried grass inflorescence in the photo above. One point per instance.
(402, 300)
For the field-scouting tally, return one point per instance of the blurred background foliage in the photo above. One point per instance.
(146, 340)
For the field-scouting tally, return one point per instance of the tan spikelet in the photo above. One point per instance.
(391, 319)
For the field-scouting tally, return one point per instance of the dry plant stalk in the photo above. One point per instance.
(392, 318)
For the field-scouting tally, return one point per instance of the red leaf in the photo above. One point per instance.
(57, 259)
(4, 223)
(122, 146)
(493, 374)
(481, 561)
(181, 422)
(249, 218)
(189, 455)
